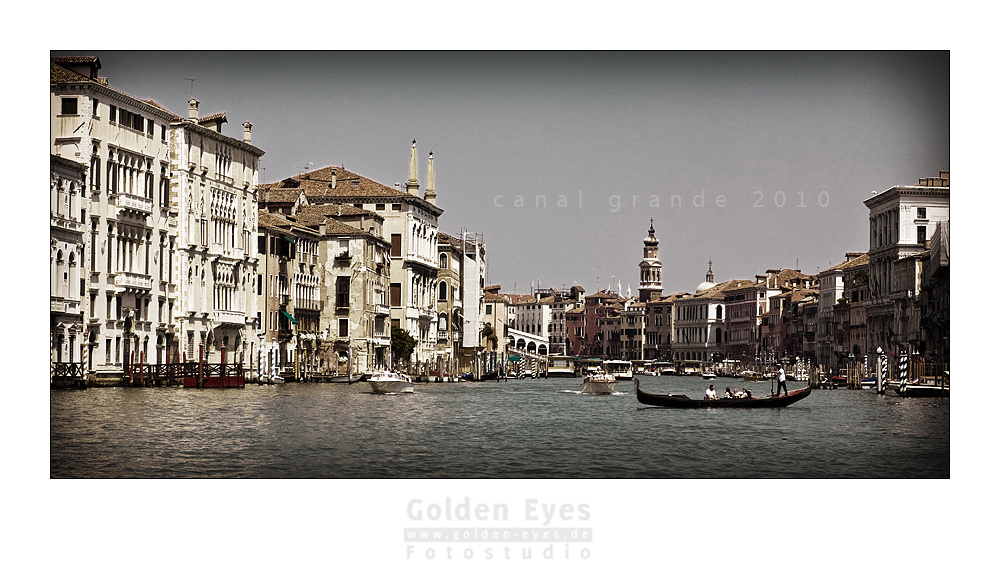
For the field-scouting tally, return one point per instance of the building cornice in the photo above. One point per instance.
(204, 131)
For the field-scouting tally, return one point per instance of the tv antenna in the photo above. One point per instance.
(192, 84)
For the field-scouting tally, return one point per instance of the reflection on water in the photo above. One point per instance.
(515, 429)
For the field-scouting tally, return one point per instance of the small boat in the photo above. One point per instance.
(599, 383)
(386, 382)
(751, 376)
(708, 375)
(923, 389)
(620, 369)
(560, 367)
(682, 401)
(868, 383)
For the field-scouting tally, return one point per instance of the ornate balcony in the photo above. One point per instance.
(129, 202)
(381, 310)
(224, 317)
(134, 281)
(58, 305)
(60, 222)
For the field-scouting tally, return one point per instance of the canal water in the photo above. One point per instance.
(515, 429)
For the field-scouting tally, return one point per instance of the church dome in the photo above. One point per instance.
(709, 282)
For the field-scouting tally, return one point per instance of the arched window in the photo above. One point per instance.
(718, 312)
(718, 335)
(443, 261)
(443, 291)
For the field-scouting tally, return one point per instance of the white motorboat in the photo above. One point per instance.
(386, 382)
(708, 375)
(620, 369)
(599, 383)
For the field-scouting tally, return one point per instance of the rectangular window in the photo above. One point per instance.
(921, 213)
(397, 206)
(69, 105)
(112, 113)
(397, 245)
(921, 233)
(260, 285)
(343, 328)
(395, 294)
(343, 291)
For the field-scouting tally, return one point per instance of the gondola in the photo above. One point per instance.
(682, 401)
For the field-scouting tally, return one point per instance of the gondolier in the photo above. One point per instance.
(781, 381)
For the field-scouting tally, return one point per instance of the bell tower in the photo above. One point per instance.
(650, 282)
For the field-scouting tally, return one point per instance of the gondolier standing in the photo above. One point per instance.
(781, 381)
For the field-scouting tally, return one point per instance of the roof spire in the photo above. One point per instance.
(430, 195)
(412, 185)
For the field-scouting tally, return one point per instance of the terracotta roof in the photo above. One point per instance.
(268, 219)
(59, 74)
(212, 118)
(519, 298)
(494, 297)
(279, 195)
(797, 294)
(317, 184)
(77, 59)
(335, 210)
(603, 294)
(847, 263)
(857, 261)
(717, 290)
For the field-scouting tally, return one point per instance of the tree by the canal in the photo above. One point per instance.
(402, 344)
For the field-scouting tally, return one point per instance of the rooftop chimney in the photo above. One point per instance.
(193, 109)
(246, 131)
(333, 179)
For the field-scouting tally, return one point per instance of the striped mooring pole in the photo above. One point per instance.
(85, 352)
(904, 368)
(883, 375)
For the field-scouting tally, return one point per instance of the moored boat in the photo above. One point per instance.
(599, 383)
(386, 382)
(708, 375)
(682, 401)
(560, 367)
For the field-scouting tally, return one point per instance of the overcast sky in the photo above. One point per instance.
(754, 160)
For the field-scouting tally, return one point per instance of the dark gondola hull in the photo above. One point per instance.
(681, 401)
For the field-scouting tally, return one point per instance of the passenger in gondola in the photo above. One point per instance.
(711, 394)
(728, 393)
(747, 393)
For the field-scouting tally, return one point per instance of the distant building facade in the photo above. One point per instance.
(902, 220)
